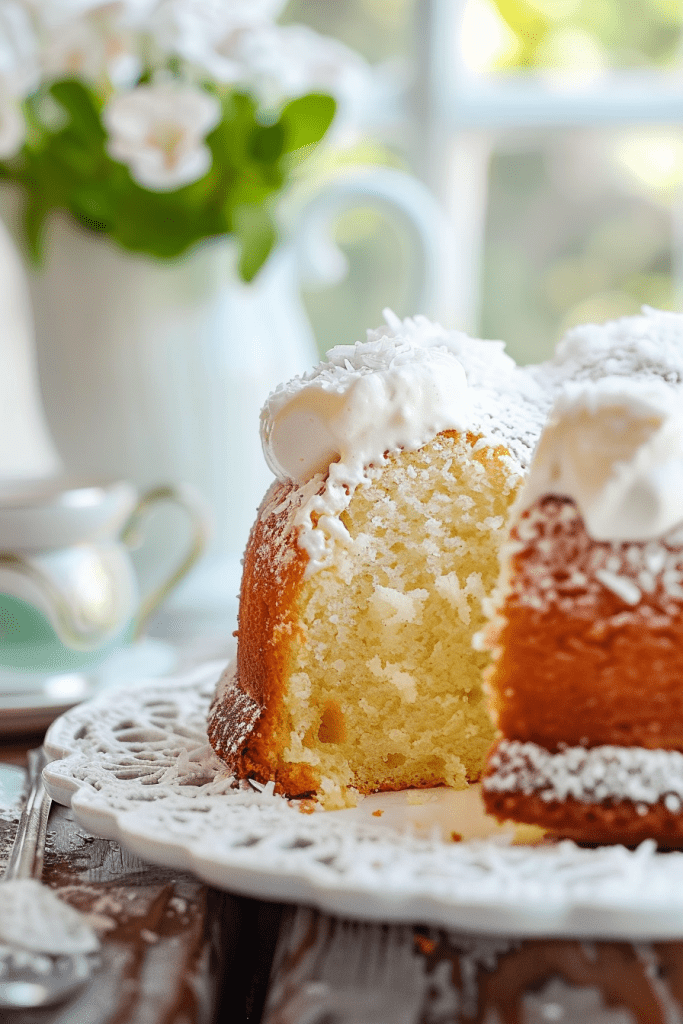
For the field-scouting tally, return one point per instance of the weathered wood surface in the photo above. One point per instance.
(174, 951)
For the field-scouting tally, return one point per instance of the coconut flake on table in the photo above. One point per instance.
(33, 918)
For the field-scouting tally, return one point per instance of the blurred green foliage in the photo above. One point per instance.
(576, 233)
(556, 255)
(64, 165)
(632, 33)
(379, 29)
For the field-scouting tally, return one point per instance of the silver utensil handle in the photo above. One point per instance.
(26, 859)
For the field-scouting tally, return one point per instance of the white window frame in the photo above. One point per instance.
(459, 118)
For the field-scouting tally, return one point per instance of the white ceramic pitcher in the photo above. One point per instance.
(157, 371)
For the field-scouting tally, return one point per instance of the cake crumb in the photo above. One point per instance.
(456, 837)
(528, 835)
(424, 945)
(415, 798)
(306, 806)
(377, 813)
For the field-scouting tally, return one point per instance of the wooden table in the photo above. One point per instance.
(174, 950)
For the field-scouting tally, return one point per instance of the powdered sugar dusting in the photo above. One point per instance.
(33, 918)
(232, 715)
(588, 775)
(563, 567)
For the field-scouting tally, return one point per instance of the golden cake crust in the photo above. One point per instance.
(578, 662)
(587, 670)
(622, 822)
(239, 730)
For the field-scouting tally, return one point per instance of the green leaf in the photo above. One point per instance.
(306, 119)
(35, 215)
(229, 140)
(257, 235)
(64, 164)
(267, 144)
(81, 106)
(94, 205)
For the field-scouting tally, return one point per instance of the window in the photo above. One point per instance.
(554, 138)
(551, 131)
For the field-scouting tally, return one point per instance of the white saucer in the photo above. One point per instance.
(30, 701)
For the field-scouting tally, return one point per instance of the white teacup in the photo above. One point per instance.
(69, 594)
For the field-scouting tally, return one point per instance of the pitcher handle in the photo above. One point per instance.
(322, 263)
(190, 502)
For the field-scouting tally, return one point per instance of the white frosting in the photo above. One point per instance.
(408, 382)
(645, 346)
(509, 402)
(365, 400)
(615, 446)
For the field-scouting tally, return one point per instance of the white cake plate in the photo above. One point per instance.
(135, 766)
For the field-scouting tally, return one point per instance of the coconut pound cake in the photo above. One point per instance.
(587, 682)
(367, 570)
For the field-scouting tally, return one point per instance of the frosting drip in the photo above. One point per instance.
(615, 447)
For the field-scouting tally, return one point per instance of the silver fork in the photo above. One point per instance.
(344, 972)
(34, 923)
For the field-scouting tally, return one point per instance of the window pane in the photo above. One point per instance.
(379, 249)
(581, 36)
(378, 29)
(579, 228)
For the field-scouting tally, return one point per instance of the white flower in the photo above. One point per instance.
(51, 14)
(209, 33)
(158, 132)
(18, 49)
(95, 44)
(290, 60)
(86, 49)
(12, 124)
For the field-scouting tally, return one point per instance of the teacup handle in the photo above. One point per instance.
(186, 499)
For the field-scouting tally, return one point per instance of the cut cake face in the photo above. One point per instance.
(367, 571)
(368, 575)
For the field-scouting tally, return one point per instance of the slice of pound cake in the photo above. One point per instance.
(369, 564)
(587, 682)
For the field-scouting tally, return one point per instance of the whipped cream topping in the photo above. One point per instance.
(645, 346)
(615, 447)
(408, 382)
(365, 400)
(509, 402)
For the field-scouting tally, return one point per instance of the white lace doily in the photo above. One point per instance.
(135, 766)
